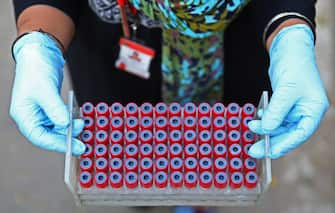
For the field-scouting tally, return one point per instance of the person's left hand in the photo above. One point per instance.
(299, 99)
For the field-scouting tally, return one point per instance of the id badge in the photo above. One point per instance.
(134, 58)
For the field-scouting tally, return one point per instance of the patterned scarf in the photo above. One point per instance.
(192, 53)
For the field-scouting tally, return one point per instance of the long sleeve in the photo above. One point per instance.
(245, 58)
(270, 14)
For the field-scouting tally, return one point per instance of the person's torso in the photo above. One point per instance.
(188, 75)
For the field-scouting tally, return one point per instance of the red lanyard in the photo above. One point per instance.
(134, 57)
(123, 4)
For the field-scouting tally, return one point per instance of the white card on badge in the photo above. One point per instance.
(134, 58)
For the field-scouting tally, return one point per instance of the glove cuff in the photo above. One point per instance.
(38, 37)
(298, 33)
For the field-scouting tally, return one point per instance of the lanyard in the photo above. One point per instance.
(123, 4)
(134, 57)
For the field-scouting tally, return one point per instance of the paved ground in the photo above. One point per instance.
(31, 180)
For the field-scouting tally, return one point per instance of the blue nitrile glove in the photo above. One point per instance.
(299, 98)
(36, 104)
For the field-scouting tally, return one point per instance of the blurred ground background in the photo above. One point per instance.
(31, 180)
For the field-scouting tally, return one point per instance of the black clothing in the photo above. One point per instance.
(92, 54)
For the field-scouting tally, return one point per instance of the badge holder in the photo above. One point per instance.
(134, 58)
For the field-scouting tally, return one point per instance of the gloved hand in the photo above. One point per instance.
(36, 104)
(299, 98)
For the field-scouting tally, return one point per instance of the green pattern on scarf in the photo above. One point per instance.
(192, 52)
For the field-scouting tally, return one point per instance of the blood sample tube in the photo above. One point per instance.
(190, 137)
(205, 164)
(233, 109)
(176, 150)
(174, 109)
(131, 180)
(205, 150)
(220, 165)
(190, 123)
(235, 151)
(206, 180)
(102, 109)
(176, 164)
(233, 123)
(147, 123)
(116, 137)
(116, 180)
(87, 137)
(219, 137)
(161, 123)
(205, 137)
(246, 148)
(175, 137)
(117, 123)
(131, 165)
(102, 123)
(251, 180)
(191, 179)
(146, 137)
(86, 164)
(89, 123)
(220, 150)
(132, 123)
(176, 179)
(161, 150)
(236, 180)
(116, 151)
(191, 150)
(248, 137)
(85, 179)
(146, 165)
(190, 110)
(235, 165)
(218, 109)
(131, 110)
(88, 109)
(89, 153)
(161, 179)
(234, 136)
(116, 110)
(101, 151)
(161, 137)
(146, 150)
(245, 122)
(204, 123)
(131, 137)
(220, 180)
(204, 110)
(101, 180)
(116, 165)
(175, 123)
(250, 165)
(147, 110)
(248, 110)
(161, 164)
(101, 137)
(146, 180)
(161, 109)
(219, 123)
(131, 151)
(101, 165)
(191, 164)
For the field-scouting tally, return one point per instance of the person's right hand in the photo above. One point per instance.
(36, 105)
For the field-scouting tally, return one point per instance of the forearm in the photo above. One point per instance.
(50, 20)
(286, 23)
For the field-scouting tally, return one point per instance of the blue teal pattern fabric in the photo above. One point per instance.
(192, 53)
